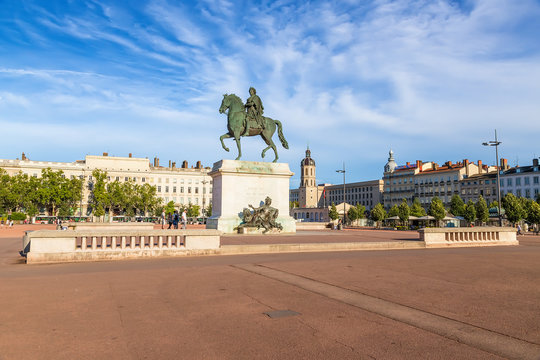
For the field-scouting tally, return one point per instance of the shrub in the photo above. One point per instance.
(18, 216)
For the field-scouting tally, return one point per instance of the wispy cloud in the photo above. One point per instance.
(427, 77)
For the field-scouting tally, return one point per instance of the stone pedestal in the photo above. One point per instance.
(239, 183)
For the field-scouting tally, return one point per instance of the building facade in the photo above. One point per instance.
(425, 180)
(182, 185)
(314, 200)
(522, 181)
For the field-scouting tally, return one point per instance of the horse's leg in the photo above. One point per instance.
(267, 137)
(239, 147)
(225, 136)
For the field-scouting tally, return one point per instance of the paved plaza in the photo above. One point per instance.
(459, 303)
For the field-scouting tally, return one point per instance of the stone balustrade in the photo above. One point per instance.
(111, 225)
(50, 246)
(462, 237)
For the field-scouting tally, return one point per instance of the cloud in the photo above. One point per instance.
(426, 77)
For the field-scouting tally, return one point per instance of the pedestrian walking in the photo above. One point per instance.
(175, 219)
(184, 219)
(170, 220)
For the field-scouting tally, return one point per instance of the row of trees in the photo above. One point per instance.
(122, 198)
(52, 191)
(191, 210)
(515, 210)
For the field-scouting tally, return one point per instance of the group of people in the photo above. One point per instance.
(173, 219)
(8, 223)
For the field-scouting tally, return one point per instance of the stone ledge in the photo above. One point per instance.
(254, 230)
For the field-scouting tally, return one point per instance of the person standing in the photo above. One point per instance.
(170, 220)
(175, 219)
(184, 219)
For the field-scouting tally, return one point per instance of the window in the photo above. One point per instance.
(166, 189)
(118, 178)
(159, 188)
(181, 189)
(126, 178)
(189, 189)
(518, 181)
(526, 180)
(196, 190)
(143, 179)
(535, 180)
(518, 192)
(527, 193)
(174, 189)
(509, 182)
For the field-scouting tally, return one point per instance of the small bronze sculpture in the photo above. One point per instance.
(247, 120)
(264, 216)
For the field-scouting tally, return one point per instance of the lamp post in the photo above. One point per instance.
(496, 143)
(204, 182)
(344, 212)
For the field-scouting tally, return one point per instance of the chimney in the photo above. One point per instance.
(199, 165)
(465, 162)
(174, 165)
(170, 164)
(449, 164)
(535, 161)
(504, 164)
(105, 154)
(419, 165)
(479, 166)
(156, 162)
(24, 157)
(184, 164)
(130, 155)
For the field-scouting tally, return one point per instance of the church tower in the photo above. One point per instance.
(308, 194)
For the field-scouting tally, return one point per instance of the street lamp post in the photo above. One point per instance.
(344, 212)
(496, 143)
(204, 182)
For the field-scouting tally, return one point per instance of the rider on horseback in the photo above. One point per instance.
(254, 109)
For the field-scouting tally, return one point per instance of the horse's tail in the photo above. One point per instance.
(280, 135)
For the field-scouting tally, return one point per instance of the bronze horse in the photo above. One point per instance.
(236, 126)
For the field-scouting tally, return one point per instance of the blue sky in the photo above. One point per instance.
(429, 79)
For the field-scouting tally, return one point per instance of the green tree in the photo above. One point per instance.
(333, 213)
(352, 214)
(513, 208)
(99, 195)
(51, 192)
(208, 210)
(378, 214)
(404, 211)
(482, 212)
(394, 211)
(457, 206)
(436, 209)
(470, 212)
(534, 213)
(169, 208)
(361, 210)
(147, 199)
(417, 209)
(193, 210)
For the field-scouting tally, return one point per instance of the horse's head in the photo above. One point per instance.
(224, 104)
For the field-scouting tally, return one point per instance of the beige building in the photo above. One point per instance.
(425, 180)
(182, 185)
